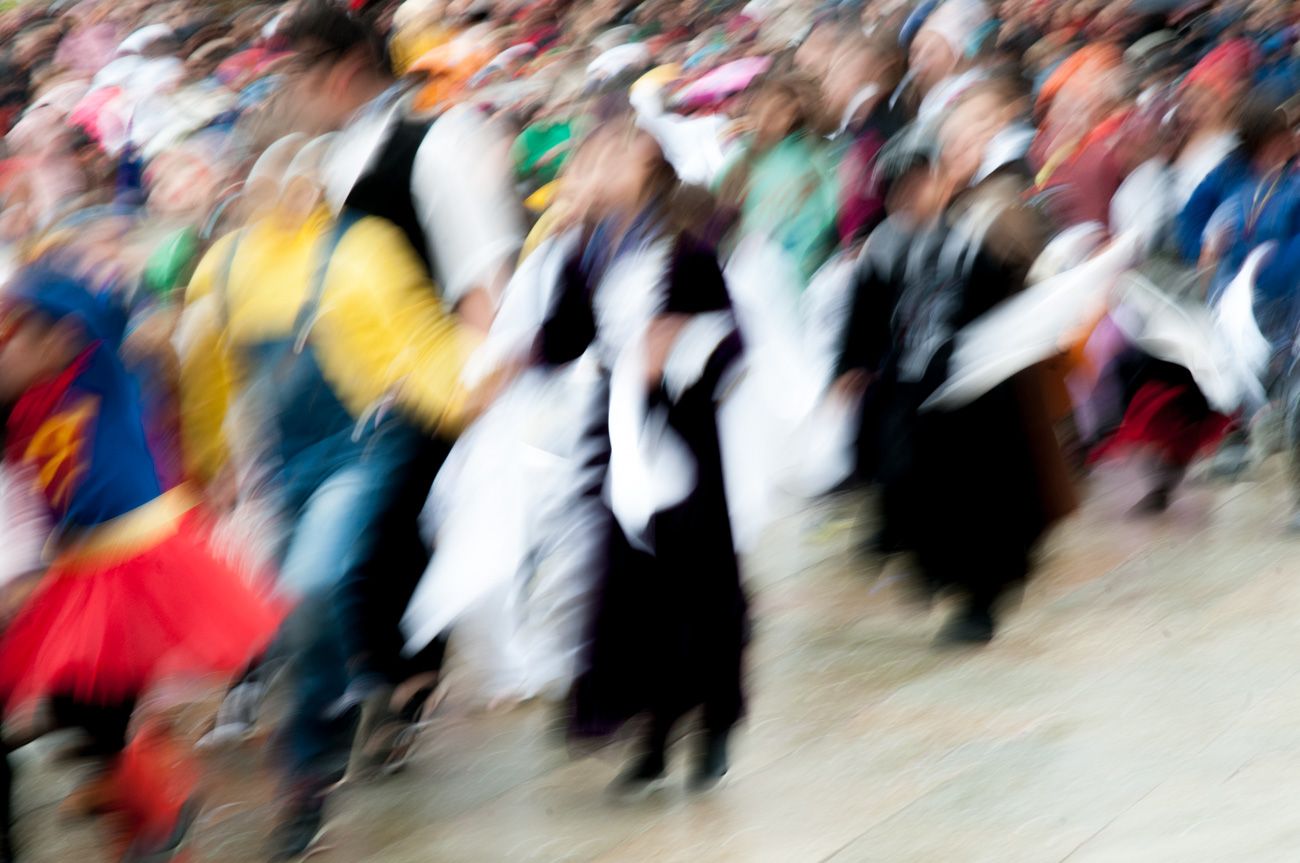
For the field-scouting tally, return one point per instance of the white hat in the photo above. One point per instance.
(309, 163)
(955, 22)
(274, 162)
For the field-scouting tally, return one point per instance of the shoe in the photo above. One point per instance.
(646, 776)
(373, 738)
(236, 716)
(173, 847)
(412, 717)
(1230, 461)
(1155, 502)
(712, 765)
(302, 832)
(969, 627)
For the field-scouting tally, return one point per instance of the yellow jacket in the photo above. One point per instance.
(381, 329)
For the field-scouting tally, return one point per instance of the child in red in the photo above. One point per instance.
(133, 594)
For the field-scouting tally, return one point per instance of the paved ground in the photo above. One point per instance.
(1143, 705)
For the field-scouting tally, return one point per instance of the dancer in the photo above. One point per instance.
(134, 595)
(650, 303)
(328, 325)
(968, 490)
(445, 183)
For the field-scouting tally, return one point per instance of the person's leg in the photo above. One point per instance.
(724, 700)
(147, 782)
(649, 767)
(332, 534)
(374, 595)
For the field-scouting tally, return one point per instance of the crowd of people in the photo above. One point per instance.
(352, 353)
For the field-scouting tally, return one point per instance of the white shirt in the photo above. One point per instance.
(460, 185)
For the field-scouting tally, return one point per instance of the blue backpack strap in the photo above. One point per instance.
(311, 306)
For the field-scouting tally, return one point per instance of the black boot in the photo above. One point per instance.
(972, 625)
(1156, 501)
(713, 763)
(1153, 502)
(646, 774)
(302, 827)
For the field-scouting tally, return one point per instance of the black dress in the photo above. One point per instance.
(970, 490)
(669, 624)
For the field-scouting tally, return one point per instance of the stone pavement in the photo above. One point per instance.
(1142, 705)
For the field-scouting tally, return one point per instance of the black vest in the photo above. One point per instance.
(384, 190)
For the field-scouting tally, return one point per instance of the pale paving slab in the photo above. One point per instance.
(1140, 706)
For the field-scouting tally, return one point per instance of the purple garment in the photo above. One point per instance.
(862, 197)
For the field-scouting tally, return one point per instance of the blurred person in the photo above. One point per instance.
(1208, 103)
(1166, 411)
(351, 324)
(670, 620)
(445, 184)
(861, 77)
(1263, 208)
(133, 596)
(939, 56)
(1089, 104)
(969, 491)
(780, 182)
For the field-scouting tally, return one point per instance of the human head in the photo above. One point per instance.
(781, 106)
(340, 64)
(942, 41)
(620, 169)
(1266, 137)
(33, 348)
(981, 113)
(815, 51)
(859, 62)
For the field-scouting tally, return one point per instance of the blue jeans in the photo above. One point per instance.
(332, 538)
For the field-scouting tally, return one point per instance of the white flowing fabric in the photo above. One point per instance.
(486, 506)
(650, 469)
(1031, 326)
(1222, 348)
(696, 147)
(1245, 347)
(1144, 203)
(483, 509)
(781, 437)
(826, 305)
(1035, 324)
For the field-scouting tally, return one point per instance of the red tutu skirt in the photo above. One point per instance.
(1171, 419)
(106, 624)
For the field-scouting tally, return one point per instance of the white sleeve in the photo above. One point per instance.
(462, 192)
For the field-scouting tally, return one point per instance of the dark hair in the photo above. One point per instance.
(325, 31)
(1260, 121)
(1006, 84)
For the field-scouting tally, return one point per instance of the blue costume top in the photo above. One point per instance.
(82, 432)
